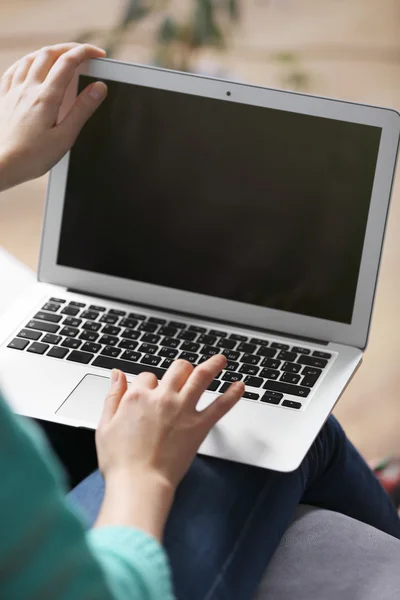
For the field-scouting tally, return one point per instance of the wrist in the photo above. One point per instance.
(136, 498)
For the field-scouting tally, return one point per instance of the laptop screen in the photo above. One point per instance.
(251, 204)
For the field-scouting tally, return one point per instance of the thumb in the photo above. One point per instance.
(83, 108)
(222, 405)
(114, 396)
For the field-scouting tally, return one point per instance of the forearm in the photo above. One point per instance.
(139, 500)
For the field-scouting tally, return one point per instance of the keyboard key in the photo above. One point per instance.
(291, 367)
(217, 333)
(166, 363)
(226, 343)
(157, 320)
(150, 359)
(250, 359)
(51, 307)
(238, 337)
(128, 344)
(210, 350)
(301, 350)
(209, 340)
(289, 356)
(37, 348)
(131, 323)
(18, 344)
(89, 336)
(97, 308)
(71, 343)
(272, 397)
(72, 321)
(150, 338)
(190, 346)
(232, 377)
(167, 352)
(168, 331)
(189, 336)
(136, 316)
(311, 371)
(108, 340)
(289, 378)
(111, 351)
(197, 329)
(80, 357)
(57, 352)
(291, 404)
(109, 319)
(229, 354)
(270, 374)
(49, 338)
(224, 387)
(69, 331)
(259, 342)
(128, 367)
(268, 352)
(251, 396)
(249, 348)
(89, 314)
(91, 326)
(280, 346)
(271, 363)
(214, 385)
(189, 356)
(117, 311)
(111, 329)
(249, 369)
(29, 334)
(57, 300)
(78, 304)
(319, 354)
(177, 325)
(130, 334)
(133, 356)
(170, 342)
(232, 365)
(309, 380)
(90, 347)
(287, 388)
(310, 361)
(44, 316)
(149, 327)
(43, 326)
(70, 310)
(253, 381)
(148, 348)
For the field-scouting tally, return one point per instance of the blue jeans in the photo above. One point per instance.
(227, 518)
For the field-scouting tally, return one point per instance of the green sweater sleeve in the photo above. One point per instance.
(45, 552)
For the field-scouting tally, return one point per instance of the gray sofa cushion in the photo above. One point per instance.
(327, 556)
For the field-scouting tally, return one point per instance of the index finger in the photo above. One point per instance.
(62, 72)
(201, 378)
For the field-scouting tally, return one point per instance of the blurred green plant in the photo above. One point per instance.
(177, 41)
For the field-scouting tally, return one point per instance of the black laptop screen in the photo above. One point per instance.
(251, 204)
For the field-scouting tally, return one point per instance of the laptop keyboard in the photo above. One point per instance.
(274, 372)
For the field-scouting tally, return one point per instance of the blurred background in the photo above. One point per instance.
(342, 48)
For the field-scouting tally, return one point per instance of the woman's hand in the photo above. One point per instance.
(148, 436)
(31, 94)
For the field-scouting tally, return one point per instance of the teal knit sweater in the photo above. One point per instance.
(45, 552)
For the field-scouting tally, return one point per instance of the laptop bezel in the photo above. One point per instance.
(356, 333)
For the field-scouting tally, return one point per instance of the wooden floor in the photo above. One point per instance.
(348, 49)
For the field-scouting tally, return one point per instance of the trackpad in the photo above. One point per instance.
(85, 403)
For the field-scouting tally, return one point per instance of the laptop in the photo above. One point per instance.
(195, 216)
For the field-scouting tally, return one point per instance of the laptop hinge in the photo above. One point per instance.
(202, 317)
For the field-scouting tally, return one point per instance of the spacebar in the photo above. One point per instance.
(126, 366)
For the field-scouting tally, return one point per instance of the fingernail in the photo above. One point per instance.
(114, 375)
(97, 90)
